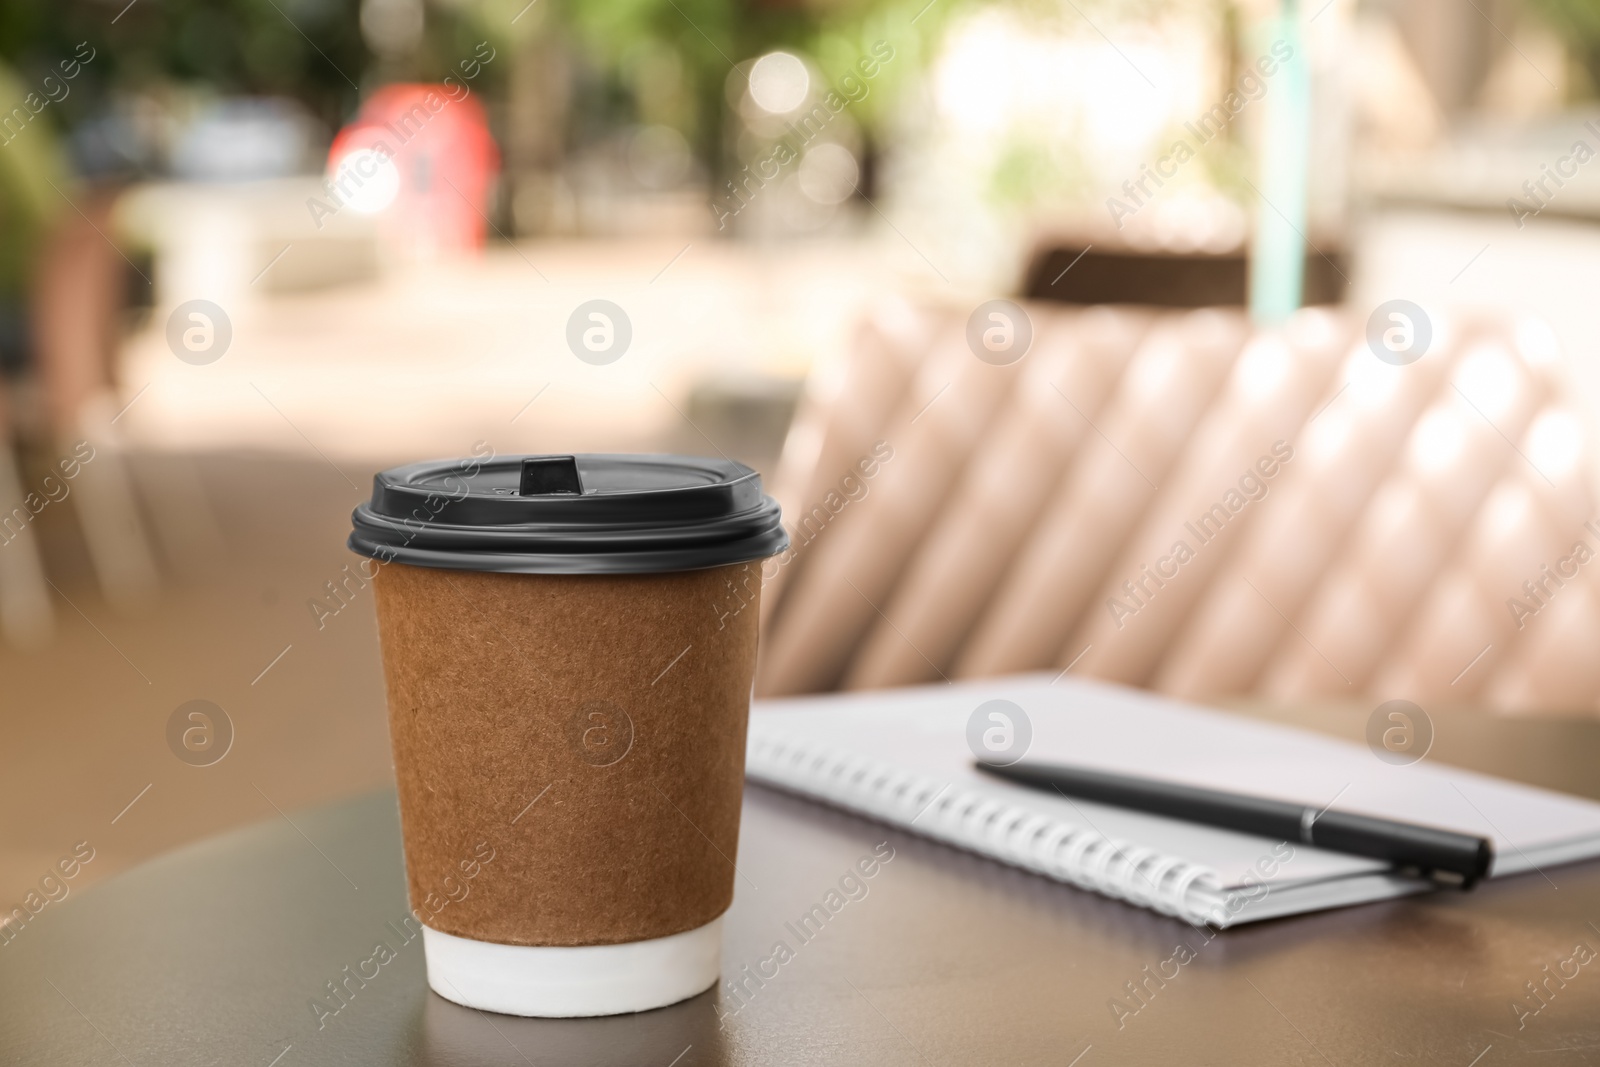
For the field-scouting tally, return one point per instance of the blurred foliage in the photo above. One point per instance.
(1027, 171)
(228, 46)
(624, 41)
(30, 173)
(653, 61)
(1578, 24)
(307, 50)
(671, 62)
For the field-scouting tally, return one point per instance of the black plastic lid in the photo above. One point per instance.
(583, 514)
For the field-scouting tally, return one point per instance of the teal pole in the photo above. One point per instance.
(1278, 246)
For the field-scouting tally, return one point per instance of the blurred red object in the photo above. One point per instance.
(420, 157)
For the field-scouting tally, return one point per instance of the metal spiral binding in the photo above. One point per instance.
(989, 825)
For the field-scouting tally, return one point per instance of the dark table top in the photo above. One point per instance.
(213, 954)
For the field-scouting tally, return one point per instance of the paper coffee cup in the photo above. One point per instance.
(568, 647)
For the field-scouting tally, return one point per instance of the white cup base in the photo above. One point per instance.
(562, 982)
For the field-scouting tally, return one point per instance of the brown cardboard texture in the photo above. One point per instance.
(586, 733)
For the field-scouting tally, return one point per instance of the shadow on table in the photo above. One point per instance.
(681, 1035)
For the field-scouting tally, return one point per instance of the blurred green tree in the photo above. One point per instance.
(1578, 24)
(308, 50)
(311, 51)
(710, 39)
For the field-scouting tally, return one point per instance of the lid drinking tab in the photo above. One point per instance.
(543, 475)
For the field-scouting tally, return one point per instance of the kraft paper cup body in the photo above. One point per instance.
(569, 754)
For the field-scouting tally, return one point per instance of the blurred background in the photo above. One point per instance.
(1001, 298)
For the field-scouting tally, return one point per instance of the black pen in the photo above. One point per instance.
(1406, 845)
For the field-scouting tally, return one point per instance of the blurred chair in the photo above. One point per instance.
(1172, 499)
(78, 303)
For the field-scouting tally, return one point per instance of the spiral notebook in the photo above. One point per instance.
(902, 756)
